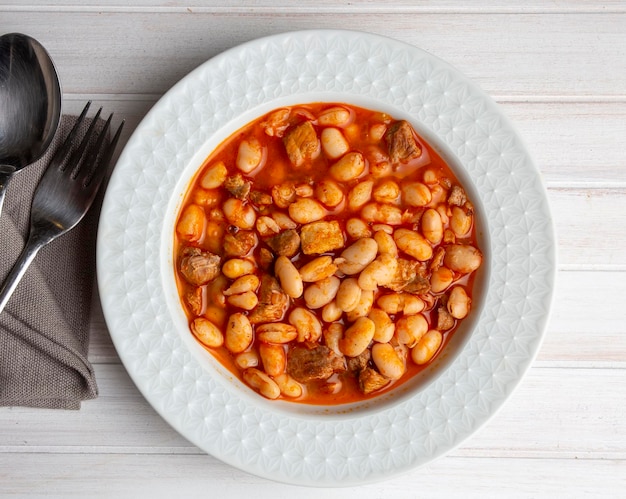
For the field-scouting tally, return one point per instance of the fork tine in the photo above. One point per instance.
(93, 153)
(62, 152)
(77, 154)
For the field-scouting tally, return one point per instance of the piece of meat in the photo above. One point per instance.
(240, 243)
(401, 143)
(306, 364)
(284, 194)
(277, 122)
(457, 196)
(260, 198)
(286, 243)
(199, 267)
(301, 144)
(237, 186)
(411, 276)
(371, 380)
(445, 320)
(273, 302)
(320, 237)
(266, 258)
(358, 363)
(193, 300)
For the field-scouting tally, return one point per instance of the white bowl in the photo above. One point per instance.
(335, 445)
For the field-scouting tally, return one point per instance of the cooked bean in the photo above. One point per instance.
(413, 304)
(238, 333)
(383, 227)
(214, 176)
(357, 337)
(438, 195)
(462, 258)
(250, 155)
(360, 194)
(321, 292)
(304, 191)
(216, 314)
(410, 329)
(207, 332)
(329, 193)
(276, 332)
(239, 213)
(348, 295)
(416, 194)
(426, 347)
(383, 325)
(306, 210)
(260, 381)
(249, 358)
(284, 194)
(444, 213)
(283, 220)
(213, 236)
(388, 191)
(432, 226)
(382, 213)
(387, 361)
(379, 272)
(237, 267)
(289, 387)
(363, 308)
(332, 334)
(207, 198)
(348, 167)
(458, 302)
(191, 223)
(357, 256)
(385, 243)
(267, 226)
(334, 144)
(289, 277)
(317, 269)
(395, 303)
(242, 284)
(377, 132)
(215, 291)
(335, 116)
(357, 228)
(460, 221)
(273, 358)
(331, 312)
(430, 177)
(306, 323)
(413, 244)
(440, 279)
(247, 300)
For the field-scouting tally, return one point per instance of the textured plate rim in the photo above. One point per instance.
(368, 447)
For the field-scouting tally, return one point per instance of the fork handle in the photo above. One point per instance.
(33, 245)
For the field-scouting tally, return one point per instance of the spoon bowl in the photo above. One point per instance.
(30, 104)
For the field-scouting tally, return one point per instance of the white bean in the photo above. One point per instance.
(190, 226)
(283, 220)
(388, 191)
(332, 334)
(357, 256)
(379, 272)
(317, 269)
(387, 361)
(289, 387)
(249, 358)
(432, 226)
(416, 194)
(305, 210)
(242, 285)
(385, 243)
(238, 333)
(383, 325)
(207, 332)
(236, 267)
(267, 226)
(348, 295)
(363, 308)
(440, 279)
(331, 312)
(329, 193)
(273, 358)
(250, 155)
(247, 300)
(306, 323)
(335, 116)
(458, 303)
(240, 214)
(357, 228)
(260, 381)
(427, 346)
(460, 221)
(462, 258)
(214, 176)
(289, 277)
(394, 303)
(322, 292)
(357, 337)
(334, 144)
(410, 329)
(382, 213)
(360, 194)
(276, 332)
(413, 244)
(348, 167)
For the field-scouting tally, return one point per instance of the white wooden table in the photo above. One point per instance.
(558, 69)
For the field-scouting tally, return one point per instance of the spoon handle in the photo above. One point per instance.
(6, 172)
(32, 247)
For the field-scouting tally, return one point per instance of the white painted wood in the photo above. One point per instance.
(557, 69)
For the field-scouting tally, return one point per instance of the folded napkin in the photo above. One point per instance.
(44, 328)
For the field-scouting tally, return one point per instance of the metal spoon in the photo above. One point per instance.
(30, 104)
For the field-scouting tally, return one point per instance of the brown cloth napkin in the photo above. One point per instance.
(44, 328)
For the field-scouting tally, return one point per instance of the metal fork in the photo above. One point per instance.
(65, 192)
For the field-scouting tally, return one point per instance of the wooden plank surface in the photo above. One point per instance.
(557, 69)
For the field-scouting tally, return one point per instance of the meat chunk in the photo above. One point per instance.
(284, 194)
(240, 243)
(445, 320)
(457, 196)
(357, 364)
(260, 198)
(237, 186)
(371, 380)
(193, 300)
(277, 122)
(286, 243)
(199, 267)
(306, 364)
(411, 276)
(320, 237)
(302, 144)
(401, 143)
(273, 302)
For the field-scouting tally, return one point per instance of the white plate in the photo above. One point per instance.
(290, 442)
